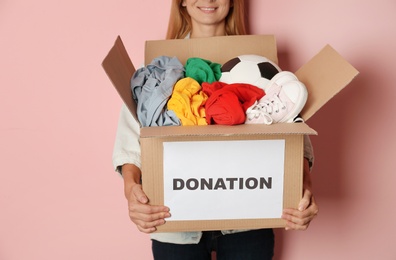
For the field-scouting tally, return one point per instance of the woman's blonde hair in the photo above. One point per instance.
(180, 21)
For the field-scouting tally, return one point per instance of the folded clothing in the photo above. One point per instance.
(188, 102)
(227, 103)
(152, 87)
(202, 70)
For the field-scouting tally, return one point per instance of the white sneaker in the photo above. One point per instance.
(257, 115)
(284, 99)
(280, 79)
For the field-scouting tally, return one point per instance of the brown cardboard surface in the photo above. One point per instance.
(221, 130)
(216, 49)
(326, 74)
(119, 69)
(152, 179)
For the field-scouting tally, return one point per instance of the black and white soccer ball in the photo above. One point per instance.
(249, 69)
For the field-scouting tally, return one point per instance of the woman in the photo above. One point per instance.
(194, 19)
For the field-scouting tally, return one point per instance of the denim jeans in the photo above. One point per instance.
(251, 245)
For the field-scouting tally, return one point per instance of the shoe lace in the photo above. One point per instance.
(257, 112)
(272, 104)
(266, 107)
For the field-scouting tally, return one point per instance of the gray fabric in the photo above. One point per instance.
(152, 87)
(308, 151)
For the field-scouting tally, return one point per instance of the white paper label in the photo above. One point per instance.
(212, 180)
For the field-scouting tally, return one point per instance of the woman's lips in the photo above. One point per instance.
(207, 9)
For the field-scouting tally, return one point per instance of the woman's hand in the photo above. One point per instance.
(146, 217)
(299, 219)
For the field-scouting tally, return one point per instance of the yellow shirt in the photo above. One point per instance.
(188, 101)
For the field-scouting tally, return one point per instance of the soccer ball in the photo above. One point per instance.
(250, 69)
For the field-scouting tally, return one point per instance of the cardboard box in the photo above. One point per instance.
(246, 193)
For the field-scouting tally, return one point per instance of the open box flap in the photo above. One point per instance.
(326, 74)
(119, 69)
(218, 49)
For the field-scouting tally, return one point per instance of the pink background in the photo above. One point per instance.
(59, 196)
